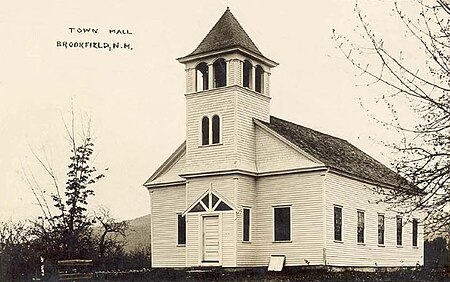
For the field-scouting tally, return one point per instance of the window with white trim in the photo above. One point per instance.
(380, 229)
(211, 130)
(205, 131)
(181, 230)
(215, 129)
(415, 227)
(360, 227)
(399, 223)
(337, 223)
(246, 223)
(282, 223)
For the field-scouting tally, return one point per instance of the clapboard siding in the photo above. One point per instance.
(223, 184)
(237, 108)
(207, 103)
(303, 191)
(192, 239)
(246, 251)
(166, 203)
(228, 239)
(250, 105)
(272, 154)
(355, 195)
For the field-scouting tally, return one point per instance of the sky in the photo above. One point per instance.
(135, 95)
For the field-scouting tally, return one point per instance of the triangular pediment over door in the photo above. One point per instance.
(210, 201)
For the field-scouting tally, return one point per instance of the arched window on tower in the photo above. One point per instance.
(205, 131)
(215, 129)
(201, 73)
(247, 74)
(220, 73)
(259, 79)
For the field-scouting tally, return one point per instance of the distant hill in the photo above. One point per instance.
(138, 235)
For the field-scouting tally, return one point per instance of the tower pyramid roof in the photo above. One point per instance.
(226, 33)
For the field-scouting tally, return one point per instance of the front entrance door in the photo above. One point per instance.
(211, 238)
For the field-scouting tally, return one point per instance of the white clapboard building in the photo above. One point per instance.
(246, 186)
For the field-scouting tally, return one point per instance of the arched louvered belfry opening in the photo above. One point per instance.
(247, 74)
(205, 131)
(201, 77)
(215, 129)
(220, 73)
(259, 79)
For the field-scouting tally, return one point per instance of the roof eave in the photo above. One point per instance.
(367, 180)
(192, 57)
(164, 184)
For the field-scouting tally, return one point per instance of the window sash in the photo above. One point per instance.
(282, 223)
(337, 223)
(246, 222)
(181, 230)
(205, 131)
(215, 129)
(414, 232)
(360, 227)
(381, 229)
(399, 230)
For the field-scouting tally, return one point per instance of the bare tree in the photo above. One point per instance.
(65, 229)
(417, 80)
(110, 227)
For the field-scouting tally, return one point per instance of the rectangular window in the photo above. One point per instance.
(380, 229)
(399, 230)
(414, 232)
(337, 223)
(282, 223)
(360, 227)
(246, 225)
(181, 230)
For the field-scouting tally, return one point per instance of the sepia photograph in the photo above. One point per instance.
(225, 140)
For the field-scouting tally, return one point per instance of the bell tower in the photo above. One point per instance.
(227, 87)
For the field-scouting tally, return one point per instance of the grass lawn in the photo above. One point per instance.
(260, 274)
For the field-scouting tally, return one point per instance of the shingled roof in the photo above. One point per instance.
(226, 33)
(335, 153)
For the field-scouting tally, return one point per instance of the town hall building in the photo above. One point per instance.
(246, 186)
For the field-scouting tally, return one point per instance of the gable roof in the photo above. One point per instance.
(335, 153)
(179, 153)
(226, 33)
